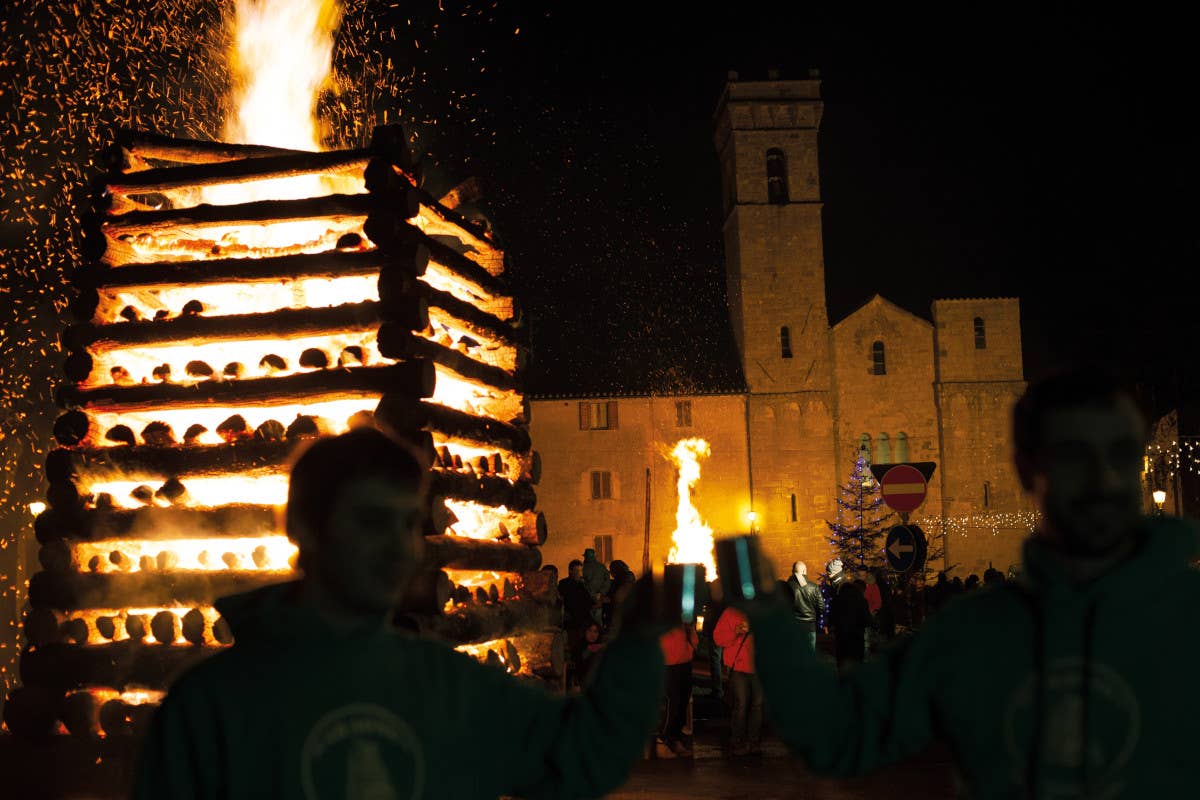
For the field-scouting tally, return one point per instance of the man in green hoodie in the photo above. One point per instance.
(1068, 683)
(318, 698)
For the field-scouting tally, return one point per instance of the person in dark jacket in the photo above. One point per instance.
(318, 697)
(850, 617)
(622, 581)
(808, 605)
(1052, 685)
(577, 601)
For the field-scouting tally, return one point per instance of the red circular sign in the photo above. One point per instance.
(903, 488)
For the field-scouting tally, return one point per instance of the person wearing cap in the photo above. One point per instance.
(1053, 685)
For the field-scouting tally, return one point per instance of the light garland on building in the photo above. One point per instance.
(972, 524)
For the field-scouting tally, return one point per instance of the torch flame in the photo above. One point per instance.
(692, 540)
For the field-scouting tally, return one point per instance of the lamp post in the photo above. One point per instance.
(752, 518)
(1160, 497)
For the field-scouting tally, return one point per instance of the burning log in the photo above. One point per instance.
(397, 341)
(286, 323)
(485, 490)
(240, 171)
(410, 379)
(543, 654)
(483, 623)
(118, 718)
(460, 552)
(156, 523)
(428, 593)
(80, 714)
(72, 590)
(116, 664)
(402, 416)
(32, 711)
(191, 151)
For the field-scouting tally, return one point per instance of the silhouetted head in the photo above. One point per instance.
(356, 504)
(589, 554)
(1079, 440)
(575, 570)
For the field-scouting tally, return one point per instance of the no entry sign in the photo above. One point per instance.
(903, 488)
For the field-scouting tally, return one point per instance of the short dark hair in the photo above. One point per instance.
(324, 467)
(1077, 387)
(575, 562)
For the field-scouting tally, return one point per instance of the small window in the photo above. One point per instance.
(597, 416)
(785, 342)
(901, 447)
(777, 186)
(864, 446)
(980, 334)
(883, 449)
(987, 494)
(793, 508)
(683, 414)
(878, 359)
(603, 545)
(601, 485)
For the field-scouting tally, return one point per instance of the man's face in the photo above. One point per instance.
(1086, 476)
(576, 572)
(373, 544)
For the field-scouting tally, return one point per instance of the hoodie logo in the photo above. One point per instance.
(363, 751)
(1074, 762)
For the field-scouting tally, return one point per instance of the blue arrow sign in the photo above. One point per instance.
(905, 548)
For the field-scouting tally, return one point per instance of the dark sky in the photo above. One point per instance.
(1024, 154)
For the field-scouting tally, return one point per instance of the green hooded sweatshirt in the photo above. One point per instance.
(1042, 689)
(296, 709)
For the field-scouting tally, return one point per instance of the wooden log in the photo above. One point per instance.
(486, 490)
(543, 653)
(145, 144)
(428, 592)
(156, 523)
(410, 260)
(118, 718)
(400, 415)
(284, 323)
(118, 665)
(32, 711)
(80, 713)
(42, 626)
(332, 207)
(459, 552)
(479, 324)
(541, 585)
(241, 171)
(482, 623)
(388, 232)
(73, 591)
(413, 378)
(396, 341)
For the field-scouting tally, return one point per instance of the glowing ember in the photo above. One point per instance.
(692, 540)
(117, 618)
(477, 521)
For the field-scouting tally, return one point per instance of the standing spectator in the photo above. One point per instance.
(992, 576)
(885, 617)
(851, 618)
(590, 645)
(622, 577)
(679, 648)
(808, 605)
(711, 615)
(831, 582)
(733, 634)
(577, 606)
(597, 580)
(972, 582)
(874, 600)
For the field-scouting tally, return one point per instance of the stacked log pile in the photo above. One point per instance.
(214, 335)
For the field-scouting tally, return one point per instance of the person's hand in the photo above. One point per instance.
(742, 629)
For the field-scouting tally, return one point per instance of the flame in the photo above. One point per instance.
(692, 540)
(477, 521)
(263, 553)
(471, 578)
(119, 615)
(133, 697)
(204, 492)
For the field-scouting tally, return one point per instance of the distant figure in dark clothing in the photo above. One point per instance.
(972, 582)
(622, 581)
(577, 602)
(992, 576)
(808, 605)
(319, 697)
(851, 618)
(590, 645)
(597, 580)
(885, 617)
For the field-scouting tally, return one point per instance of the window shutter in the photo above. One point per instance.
(595, 485)
(606, 485)
(612, 413)
(584, 417)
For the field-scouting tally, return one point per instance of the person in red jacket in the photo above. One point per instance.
(733, 634)
(679, 648)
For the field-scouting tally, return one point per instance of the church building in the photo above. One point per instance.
(883, 381)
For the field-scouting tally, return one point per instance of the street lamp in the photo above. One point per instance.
(752, 517)
(1160, 497)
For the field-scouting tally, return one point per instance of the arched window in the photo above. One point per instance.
(777, 187)
(901, 447)
(883, 449)
(980, 334)
(878, 359)
(864, 446)
(785, 342)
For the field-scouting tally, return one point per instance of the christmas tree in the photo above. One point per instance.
(859, 532)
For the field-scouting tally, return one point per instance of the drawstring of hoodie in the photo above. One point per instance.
(1089, 630)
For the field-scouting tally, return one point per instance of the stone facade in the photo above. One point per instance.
(906, 388)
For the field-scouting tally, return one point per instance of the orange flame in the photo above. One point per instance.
(692, 540)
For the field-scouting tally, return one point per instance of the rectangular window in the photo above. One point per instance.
(793, 508)
(683, 414)
(987, 494)
(601, 485)
(600, 416)
(603, 545)
(785, 342)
